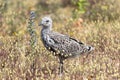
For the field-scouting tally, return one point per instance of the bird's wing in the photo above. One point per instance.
(65, 44)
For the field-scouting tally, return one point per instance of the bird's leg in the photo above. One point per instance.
(61, 66)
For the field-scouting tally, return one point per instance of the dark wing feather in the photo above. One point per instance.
(76, 40)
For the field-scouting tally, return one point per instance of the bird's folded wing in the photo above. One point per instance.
(65, 44)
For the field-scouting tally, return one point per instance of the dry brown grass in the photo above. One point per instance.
(102, 64)
(17, 63)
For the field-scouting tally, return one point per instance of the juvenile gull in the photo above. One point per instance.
(61, 45)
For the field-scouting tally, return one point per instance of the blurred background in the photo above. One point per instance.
(14, 14)
(95, 22)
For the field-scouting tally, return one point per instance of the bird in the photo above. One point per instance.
(62, 46)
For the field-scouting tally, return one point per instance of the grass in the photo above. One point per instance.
(16, 63)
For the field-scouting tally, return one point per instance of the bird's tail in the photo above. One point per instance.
(88, 48)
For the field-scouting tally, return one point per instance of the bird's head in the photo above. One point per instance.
(46, 22)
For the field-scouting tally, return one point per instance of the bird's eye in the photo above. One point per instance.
(47, 21)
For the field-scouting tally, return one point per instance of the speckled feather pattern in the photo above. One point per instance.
(60, 44)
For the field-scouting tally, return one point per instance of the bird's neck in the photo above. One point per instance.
(46, 30)
(44, 33)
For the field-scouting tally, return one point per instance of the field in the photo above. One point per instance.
(21, 61)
